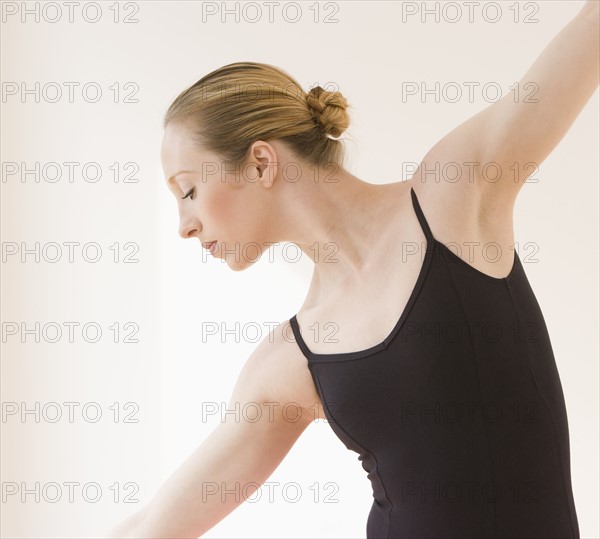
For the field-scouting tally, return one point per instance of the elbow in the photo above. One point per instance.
(129, 527)
(146, 524)
(592, 9)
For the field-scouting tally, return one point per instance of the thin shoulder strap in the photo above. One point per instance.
(421, 216)
(299, 340)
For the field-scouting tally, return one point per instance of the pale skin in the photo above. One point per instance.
(369, 225)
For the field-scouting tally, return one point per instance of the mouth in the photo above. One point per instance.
(207, 244)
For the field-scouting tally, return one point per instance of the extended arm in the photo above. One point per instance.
(239, 454)
(566, 74)
(513, 132)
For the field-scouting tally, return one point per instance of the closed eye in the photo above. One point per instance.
(189, 193)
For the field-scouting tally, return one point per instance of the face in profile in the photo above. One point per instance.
(215, 203)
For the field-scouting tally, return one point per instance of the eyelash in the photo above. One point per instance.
(190, 192)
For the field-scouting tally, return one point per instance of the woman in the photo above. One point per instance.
(441, 374)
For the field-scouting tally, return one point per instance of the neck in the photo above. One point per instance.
(336, 224)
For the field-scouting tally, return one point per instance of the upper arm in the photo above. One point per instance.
(519, 134)
(509, 139)
(269, 408)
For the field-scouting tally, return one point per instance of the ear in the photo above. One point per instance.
(265, 157)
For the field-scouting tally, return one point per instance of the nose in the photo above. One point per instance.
(187, 230)
(188, 234)
(189, 223)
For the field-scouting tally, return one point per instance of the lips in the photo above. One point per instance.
(207, 244)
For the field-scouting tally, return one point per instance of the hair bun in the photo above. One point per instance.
(329, 110)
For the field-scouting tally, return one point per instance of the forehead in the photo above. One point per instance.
(179, 152)
(176, 145)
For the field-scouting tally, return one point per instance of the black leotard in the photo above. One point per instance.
(458, 416)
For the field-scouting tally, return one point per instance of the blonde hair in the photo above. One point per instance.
(233, 106)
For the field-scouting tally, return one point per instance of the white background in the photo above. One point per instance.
(175, 287)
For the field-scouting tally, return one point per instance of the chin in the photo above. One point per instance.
(238, 259)
(239, 263)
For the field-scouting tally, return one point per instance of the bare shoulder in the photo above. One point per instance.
(458, 203)
(278, 371)
(462, 213)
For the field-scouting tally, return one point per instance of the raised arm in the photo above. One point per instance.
(566, 76)
(513, 132)
(237, 454)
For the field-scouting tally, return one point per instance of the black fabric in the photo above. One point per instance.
(458, 416)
